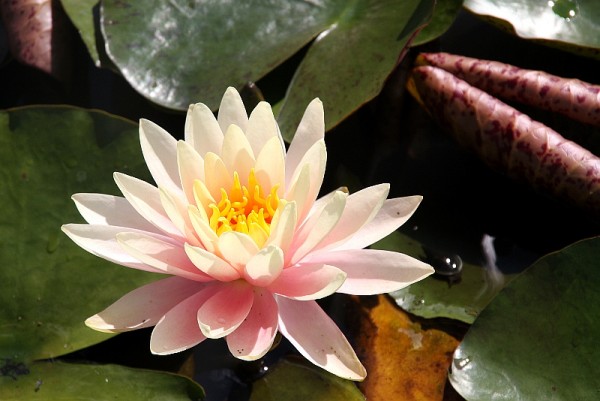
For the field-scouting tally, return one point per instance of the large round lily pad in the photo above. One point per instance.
(538, 339)
(180, 52)
(572, 24)
(56, 381)
(49, 286)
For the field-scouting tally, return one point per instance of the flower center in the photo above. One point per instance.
(245, 209)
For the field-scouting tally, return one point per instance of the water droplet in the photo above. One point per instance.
(447, 265)
(221, 320)
(566, 9)
(19, 318)
(417, 302)
(461, 363)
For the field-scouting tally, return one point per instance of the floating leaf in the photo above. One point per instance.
(462, 298)
(50, 381)
(444, 14)
(509, 140)
(404, 361)
(292, 380)
(538, 339)
(180, 52)
(569, 24)
(349, 62)
(49, 286)
(571, 97)
(81, 14)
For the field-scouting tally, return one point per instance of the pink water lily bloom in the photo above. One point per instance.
(236, 224)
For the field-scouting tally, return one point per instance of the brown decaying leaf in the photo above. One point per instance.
(404, 361)
(36, 35)
(573, 98)
(509, 140)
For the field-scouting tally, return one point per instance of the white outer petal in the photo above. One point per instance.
(232, 111)
(262, 127)
(101, 209)
(202, 131)
(144, 306)
(318, 338)
(159, 150)
(373, 271)
(145, 198)
(360, 208)
(311, 235)
(310, 130)
(100, 240)
(392, 215)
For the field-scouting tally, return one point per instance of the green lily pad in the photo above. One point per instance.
(50, 285)
(80, 12)
(55, 381)
(571, 24)
(444, 14)
(292, 380)
(437, 296)
(180, 52)
(538, 339)
(348, 63)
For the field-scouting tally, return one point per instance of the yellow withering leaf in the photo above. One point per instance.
(404, 361)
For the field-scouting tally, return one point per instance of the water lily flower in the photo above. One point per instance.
(235, 222)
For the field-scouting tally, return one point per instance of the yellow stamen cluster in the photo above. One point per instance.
(245, 209)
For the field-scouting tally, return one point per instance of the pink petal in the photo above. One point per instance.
(226, 310)
(360, 208)
(145, 198)
(202, 131)
(318, 339)
(237, 248)
(310, 130)
(307, 282)
(211, 264)
(256, 334)
(232, 111)
(320, 225)
(392, 215)
(237, 153)
(283, 227)
(262, 127)
(101, 241)
(110, 210)
(191, 168)
(159, 149)
(164, 256)
(264, 267)
(178, 330)
(144, 306)
(371, 271)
